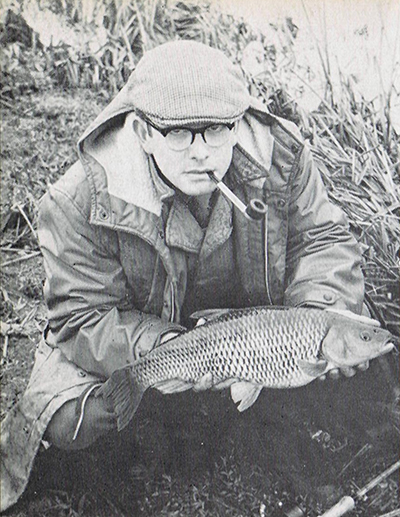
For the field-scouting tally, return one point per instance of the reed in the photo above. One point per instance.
(97, 44)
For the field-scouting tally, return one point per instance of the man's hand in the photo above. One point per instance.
(346, 371)
(147, 345)
(168, 335)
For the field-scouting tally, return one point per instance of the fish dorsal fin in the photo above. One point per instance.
(313, 369)
(172, 386)
(246, 393)
(355, 317)
(208, 315)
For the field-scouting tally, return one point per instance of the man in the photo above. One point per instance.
(135, 237)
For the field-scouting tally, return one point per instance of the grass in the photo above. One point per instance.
(305, 447)
(96, 45)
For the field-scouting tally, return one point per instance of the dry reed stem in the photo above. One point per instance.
(352, 140)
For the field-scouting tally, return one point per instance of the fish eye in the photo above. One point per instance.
(365, 336)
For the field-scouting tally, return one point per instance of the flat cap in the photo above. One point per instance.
(184, 82)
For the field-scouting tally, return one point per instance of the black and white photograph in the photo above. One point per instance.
(200, 258)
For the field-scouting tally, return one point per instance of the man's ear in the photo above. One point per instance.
(234, 133)
(141, 130)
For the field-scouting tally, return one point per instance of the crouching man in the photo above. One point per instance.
(136, 237)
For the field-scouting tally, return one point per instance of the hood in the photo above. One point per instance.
(131, 174)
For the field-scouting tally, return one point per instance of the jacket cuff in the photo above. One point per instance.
(319, 298)
(149, 334)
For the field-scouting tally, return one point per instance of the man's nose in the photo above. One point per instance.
(199, 149)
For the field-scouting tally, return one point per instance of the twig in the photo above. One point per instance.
(364, 449)
(20, 259)
(27, 220)
(29, 316)
(9, 106)
(5, 348)
(13, 250)
(393, 513)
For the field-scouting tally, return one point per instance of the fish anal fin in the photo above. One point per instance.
(125, 394)
(246, 393)
(204, 383)
(313, 369)
(227, 383)
(172, 386)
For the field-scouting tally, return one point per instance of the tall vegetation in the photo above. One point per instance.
(96, 44)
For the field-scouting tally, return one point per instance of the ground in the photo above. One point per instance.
(189, 454)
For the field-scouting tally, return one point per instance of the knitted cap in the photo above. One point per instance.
(184, 82)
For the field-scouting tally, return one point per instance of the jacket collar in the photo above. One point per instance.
(131, 174)
(183, 231)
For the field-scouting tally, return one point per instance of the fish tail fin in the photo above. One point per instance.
(124, 393)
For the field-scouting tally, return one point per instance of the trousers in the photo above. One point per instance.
(79, 423)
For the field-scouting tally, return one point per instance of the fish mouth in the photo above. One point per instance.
(386, 348)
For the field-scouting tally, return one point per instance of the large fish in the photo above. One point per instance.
(247, 350)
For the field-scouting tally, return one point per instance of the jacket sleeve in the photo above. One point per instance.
(91, 315)
(324, 259)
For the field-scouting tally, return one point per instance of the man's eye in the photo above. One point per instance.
(216, 129)
(177, 132)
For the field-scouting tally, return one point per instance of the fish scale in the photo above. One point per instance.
(249, 349)
(270, 350)
(269, 343)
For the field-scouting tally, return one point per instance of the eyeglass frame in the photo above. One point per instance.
(201, 131)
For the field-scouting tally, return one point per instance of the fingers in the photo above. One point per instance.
(346, 371)
(204, 383)
(168, 335)
(334, 374)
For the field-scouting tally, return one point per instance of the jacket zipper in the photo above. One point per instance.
(172, 317)
(266, 257)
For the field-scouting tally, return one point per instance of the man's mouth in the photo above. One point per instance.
(200, 171)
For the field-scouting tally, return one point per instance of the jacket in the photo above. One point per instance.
(118, 273)
(126, 261)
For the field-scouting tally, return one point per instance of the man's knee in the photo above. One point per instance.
(73, 427)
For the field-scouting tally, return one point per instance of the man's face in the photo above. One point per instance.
(188, 169)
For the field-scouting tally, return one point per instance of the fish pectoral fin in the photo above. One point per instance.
(172, 386)
(313, 369)
(246, 393)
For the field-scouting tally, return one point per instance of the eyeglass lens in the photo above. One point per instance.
(181, 138)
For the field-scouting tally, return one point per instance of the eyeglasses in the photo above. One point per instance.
(180, 138)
